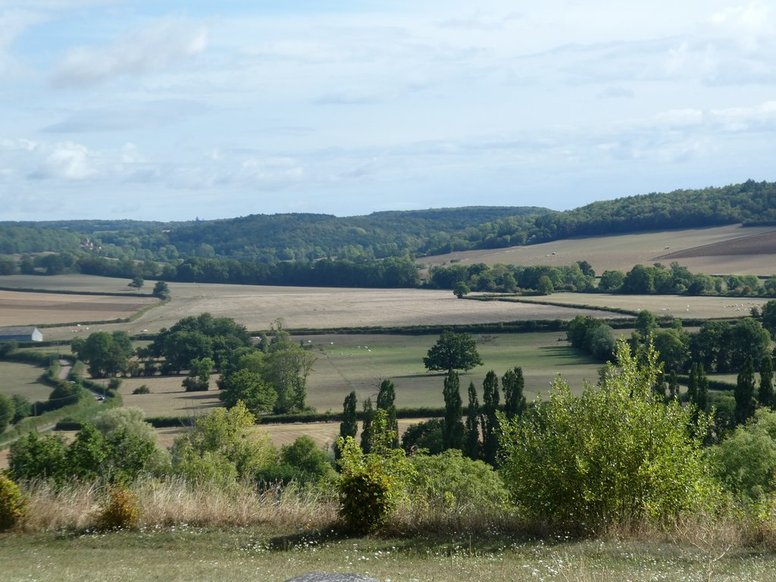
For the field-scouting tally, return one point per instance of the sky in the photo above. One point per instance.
(173, 110)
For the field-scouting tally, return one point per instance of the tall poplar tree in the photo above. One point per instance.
(514, 400)
(744, 393)
(490, 402)
(452, 437)
(366, 426)
(765, 394)
(386, 398)
(472, 444)
(349, 424)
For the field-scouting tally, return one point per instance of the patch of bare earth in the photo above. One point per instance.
(755, 244)
(622, 252)
(23, 308)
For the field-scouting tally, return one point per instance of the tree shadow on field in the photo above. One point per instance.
(305, 540)
(567, 356)
(423, 375)
(198, 395)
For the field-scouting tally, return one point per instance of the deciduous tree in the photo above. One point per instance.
(453, 351)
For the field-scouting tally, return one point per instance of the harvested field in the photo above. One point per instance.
(323, 433)
(167, 397)
(675, 305)
(23, 308)
(257, 307)
(624, 251)
(22, 379)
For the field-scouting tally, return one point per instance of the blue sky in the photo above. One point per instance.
(176, 110)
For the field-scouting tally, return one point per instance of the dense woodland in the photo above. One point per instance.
(270, 239)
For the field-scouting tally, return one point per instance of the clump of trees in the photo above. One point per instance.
(107, 354)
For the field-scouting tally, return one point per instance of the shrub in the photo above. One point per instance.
(142, 390)
(13, 504)
(745, 462)
(121, 510)
(450, 481)
(616, 454)
(370, 486)
(37, 456)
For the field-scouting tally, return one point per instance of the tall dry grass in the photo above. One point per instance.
(166, 502)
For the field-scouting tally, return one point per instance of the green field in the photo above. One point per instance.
(22, 379)
(360, 362)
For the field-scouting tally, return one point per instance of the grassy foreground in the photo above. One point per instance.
(205, 532)
(256, 553)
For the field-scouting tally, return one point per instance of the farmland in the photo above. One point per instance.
(299, 307)
(717, 250)
(22, 379)
(23, 308)
(360, 362)
(661, 305)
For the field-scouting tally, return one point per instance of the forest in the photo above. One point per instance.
(272, 239)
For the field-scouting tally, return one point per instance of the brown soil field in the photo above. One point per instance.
(257, 307)
(622, 252)
(754, 244)
(22, 308)
(678, 306)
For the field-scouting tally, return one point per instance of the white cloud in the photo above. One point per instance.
(150, 48)
(67, 161)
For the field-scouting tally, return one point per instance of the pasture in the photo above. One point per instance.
(361, 362)
(661, 305)
(718, 250)
(23, 308)
(22, 379)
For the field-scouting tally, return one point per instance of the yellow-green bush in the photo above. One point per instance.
(13, 504)
(371, 485)
(121, 510)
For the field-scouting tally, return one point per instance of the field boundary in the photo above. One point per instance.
(73, 292)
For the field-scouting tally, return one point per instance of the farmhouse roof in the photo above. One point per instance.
(25, 330)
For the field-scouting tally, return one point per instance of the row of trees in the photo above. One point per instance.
(580, 277)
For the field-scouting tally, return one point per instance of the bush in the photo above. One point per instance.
(13, 504)
(142, 390)
(614, 455)
(121, 510)
(370, 486)
(450, 481)
(745, 462)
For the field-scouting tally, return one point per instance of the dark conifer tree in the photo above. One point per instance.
(514, 400)
(744, 394)
(452, 437)
(472, 445)
(349, 424)
(765, 395)
(490, 402)
(386, 398)
(366, 426)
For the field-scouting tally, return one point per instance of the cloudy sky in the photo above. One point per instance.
(172, 110)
